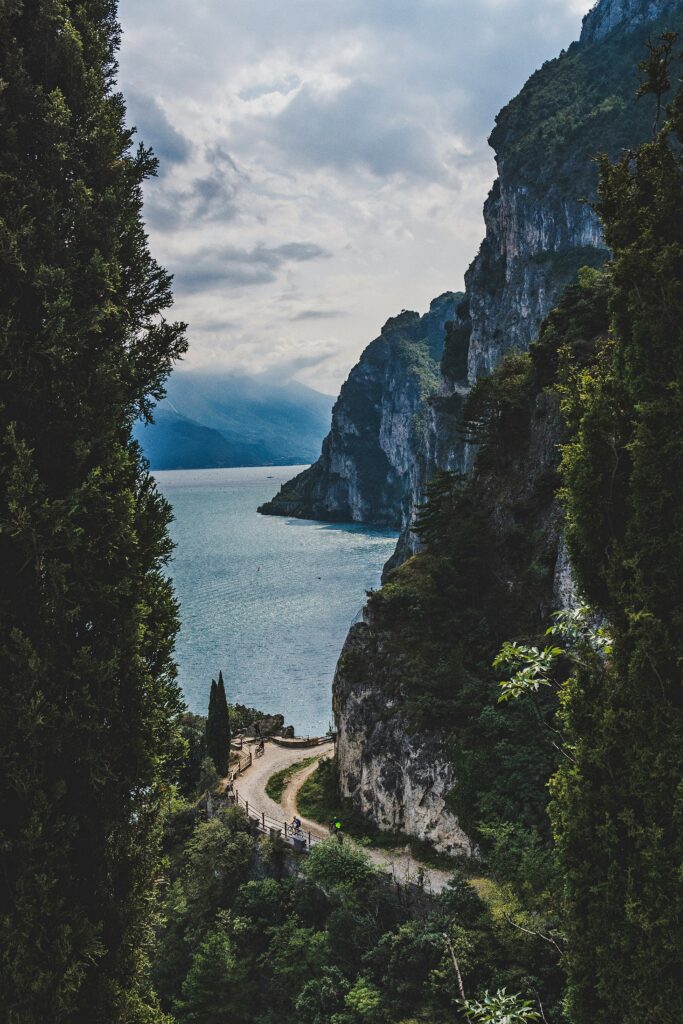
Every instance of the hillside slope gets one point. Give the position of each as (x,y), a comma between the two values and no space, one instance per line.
(224,419)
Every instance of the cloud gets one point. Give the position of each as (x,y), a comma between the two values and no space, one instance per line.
(283,86)
(318,314)
(212,195)
(287,367)
(146,113)
(233,267)
(359,126)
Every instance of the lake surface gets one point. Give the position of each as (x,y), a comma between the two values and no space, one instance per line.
(267,600)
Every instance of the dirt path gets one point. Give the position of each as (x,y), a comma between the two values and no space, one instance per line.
(289,795)
(251,786)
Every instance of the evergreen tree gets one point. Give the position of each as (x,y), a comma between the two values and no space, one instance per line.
(211,744)
(223,715)
(218,727)
(88,718)
(619,801)
(209,988)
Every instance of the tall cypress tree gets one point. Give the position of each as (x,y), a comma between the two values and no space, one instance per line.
(223,727)
(619,803)
(211,745)
(218,727)
(87,614)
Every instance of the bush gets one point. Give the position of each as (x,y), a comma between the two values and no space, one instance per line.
(208,776)
(333,864)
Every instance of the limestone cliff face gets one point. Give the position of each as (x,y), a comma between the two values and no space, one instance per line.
(610,14)
(399,779)
(540,226)
(539,232)
(366,472)
(400,775)
(536,238)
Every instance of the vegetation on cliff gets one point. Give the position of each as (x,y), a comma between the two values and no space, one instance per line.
(605,888)
(487,573)
(618,806)
(364,470)
(580,104)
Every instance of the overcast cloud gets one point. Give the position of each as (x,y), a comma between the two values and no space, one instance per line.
(323,162)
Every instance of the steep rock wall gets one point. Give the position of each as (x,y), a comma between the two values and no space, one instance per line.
(611,14)
(366,472)
(399,772)
(540,226)
(539,232)
(400,780)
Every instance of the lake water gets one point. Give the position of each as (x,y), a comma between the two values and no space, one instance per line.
(267,600)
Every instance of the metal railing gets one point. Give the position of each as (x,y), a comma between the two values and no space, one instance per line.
(274,827)
(244,762)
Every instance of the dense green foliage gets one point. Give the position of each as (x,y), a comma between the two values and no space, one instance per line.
(246,932)
(189,764)
(218,727)
(87,614)
(618,808)
(576,106)
(486,574)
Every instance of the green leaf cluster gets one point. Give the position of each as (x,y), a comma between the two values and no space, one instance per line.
(244,934)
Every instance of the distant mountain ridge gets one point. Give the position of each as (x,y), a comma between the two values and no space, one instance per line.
(215,420)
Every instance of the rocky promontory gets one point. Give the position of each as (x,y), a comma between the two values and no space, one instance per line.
(366,472)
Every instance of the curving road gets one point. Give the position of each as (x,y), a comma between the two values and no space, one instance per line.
(252,787)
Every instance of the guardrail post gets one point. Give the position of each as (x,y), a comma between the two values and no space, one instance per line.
(285,830)
(247,807)
(309,840)
(263,820)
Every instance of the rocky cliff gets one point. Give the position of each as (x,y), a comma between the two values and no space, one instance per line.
(611,14)
(540,226)
(423,747)
(369,462)
(539,232)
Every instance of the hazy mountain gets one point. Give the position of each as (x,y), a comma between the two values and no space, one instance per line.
(214,420)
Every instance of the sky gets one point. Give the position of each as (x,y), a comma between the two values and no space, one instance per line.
(323,163)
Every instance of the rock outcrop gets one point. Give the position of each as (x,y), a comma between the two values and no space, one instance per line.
(539,232)
(611,14)
(400,780)
(540,226)
(400,774)
(367,470)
